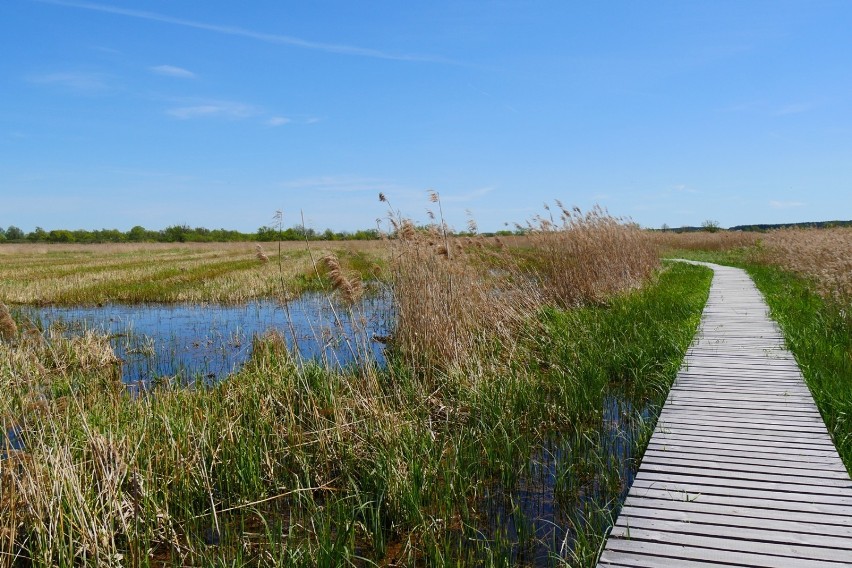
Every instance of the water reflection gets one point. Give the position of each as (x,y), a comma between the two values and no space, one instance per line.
(208,342)
(570,481)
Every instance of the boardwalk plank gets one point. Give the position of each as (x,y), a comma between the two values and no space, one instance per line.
(630,527)
(726,542)
(839,525)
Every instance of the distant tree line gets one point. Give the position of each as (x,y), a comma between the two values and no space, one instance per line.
(804,225)
(177,234)
(713,226)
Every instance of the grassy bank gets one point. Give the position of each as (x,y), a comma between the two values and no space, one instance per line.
(287,464)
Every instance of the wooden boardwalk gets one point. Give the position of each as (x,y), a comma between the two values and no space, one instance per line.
(740,470)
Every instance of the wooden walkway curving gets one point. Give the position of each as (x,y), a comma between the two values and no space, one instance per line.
(740,470)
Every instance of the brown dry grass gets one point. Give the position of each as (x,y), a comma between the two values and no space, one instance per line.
(824,255)
(8,328)
(459,298)
(585,258)
(704,240)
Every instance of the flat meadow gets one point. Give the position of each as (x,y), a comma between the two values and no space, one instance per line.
(501,425)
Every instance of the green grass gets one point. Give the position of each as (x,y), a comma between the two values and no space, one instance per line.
(818,331)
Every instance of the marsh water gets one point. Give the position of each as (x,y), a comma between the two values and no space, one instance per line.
(207,342)
(533,520)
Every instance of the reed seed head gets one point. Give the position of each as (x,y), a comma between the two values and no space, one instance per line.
(8,328)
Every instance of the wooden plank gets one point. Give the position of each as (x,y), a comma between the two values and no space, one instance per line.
(659,459)
(820,545)
(803,424)
(840,525)
(826,461)
(760,501)
(745,429)
(746,413)
(726,541)
(669,430)
(636,549)
(612,559)
(727,484)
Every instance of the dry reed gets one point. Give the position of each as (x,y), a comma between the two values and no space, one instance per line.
(587,257)
(350,288)
(455,297)
(8,328)
(260,255)
(704,240)
(824,255)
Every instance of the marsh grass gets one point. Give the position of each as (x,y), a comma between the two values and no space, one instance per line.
(492,387)
(458,299)
(718,241)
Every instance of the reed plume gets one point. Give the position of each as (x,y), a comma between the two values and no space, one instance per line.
(260,255)
(350,289)
(8,328)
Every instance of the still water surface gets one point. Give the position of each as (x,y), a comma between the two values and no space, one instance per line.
(210,341)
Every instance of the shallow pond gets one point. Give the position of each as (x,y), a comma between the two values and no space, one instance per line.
(535,521)
(210,341)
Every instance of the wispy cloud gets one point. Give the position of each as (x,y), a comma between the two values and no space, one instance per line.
(785,204)
(214,109)
(243,32)
(172,71)
(81,82)
(278,121)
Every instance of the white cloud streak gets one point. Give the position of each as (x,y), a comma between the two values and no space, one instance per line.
(243,32)
(278,121)
(172,71)
(218,109)
(73,80)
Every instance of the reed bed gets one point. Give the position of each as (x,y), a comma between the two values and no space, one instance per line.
(292,463)
(823,255)
(566,249)
(454,296)
(704,240)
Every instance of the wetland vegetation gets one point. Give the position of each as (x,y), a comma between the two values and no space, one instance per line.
(501,426)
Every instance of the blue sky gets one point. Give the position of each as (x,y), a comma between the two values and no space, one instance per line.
(218,113)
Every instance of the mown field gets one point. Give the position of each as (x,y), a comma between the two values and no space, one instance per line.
(165,272)
(522,381)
